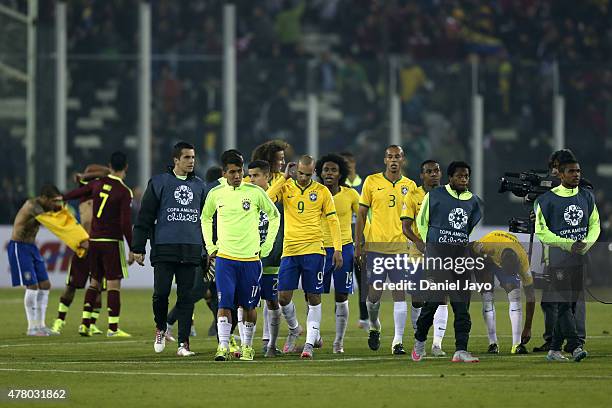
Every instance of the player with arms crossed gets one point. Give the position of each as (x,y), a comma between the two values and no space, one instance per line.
(112,201)
(332,171)
(27,265)
(305,202)
(506,259)
(78,273)
(237,250)
(382,197)
(430,176)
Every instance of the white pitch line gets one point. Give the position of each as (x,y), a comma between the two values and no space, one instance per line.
(291,359)
(351,375)
(74,343)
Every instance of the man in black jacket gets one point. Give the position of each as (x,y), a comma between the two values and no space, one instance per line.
(170,218)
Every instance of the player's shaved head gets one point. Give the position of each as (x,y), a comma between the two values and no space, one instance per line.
(306,160)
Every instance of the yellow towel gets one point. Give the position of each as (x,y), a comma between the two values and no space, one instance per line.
(63,225)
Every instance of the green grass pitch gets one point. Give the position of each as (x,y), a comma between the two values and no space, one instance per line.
(99,371)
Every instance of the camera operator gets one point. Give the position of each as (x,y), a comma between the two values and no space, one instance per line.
(567,222)
(548,306)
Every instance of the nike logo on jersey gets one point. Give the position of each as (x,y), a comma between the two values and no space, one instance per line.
(380,188)
(290,196)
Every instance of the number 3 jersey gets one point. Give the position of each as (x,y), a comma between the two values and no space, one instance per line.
(385,198)
(112,201)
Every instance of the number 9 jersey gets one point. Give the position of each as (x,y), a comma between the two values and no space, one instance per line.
(304,209)
(384,199)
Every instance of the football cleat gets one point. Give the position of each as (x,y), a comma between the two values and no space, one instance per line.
(117,333)
(493,349)
(364,324)
(36,333)
(264,345)
(93,329)
(273,352)
(418,351)
(223,354)
(374,339)
(319,343)
(58,325)
(579,354)
(234,347)
(84,331)
(160,341)
(398,349)
(292,337)
(168,334)
(462,356)
(183,350)
(247,353)
(307,352)
(48,331)
(542,348)
(338,348)
(555,356)
(437,352)
(519,349)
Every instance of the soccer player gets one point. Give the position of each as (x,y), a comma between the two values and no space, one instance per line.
(354,180)
(27,265)
(274,152)
(506,259)
(78,273)
(430,177)
(382,196)
(237,251)
(332,171)
(445,221)
(259,174)
(112,200)
(305,202)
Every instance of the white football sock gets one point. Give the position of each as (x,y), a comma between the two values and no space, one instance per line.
(274,319)
(515,309)
(248,329)
(42,299)
(29,302)
(400,313)
(240,314)
(415,312)
(224,328)
(488,313)
(373,309)
(313,323)
(289,314)
(342,314)
(265,336)
(440,319)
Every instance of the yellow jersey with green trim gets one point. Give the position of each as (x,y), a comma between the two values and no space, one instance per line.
(410,209)
(347,204)
(385,199)
(303,209)
(496,242)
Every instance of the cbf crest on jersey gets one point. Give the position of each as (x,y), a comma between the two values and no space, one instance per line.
(458,218)
(183,195)
(246,204)
(404,190)
(313,196)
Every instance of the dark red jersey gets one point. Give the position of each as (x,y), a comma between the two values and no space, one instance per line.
(112,201)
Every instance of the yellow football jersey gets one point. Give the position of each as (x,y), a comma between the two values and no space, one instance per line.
(498,241)
(347,204)
(410,210)
(385,199)
(303,209)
